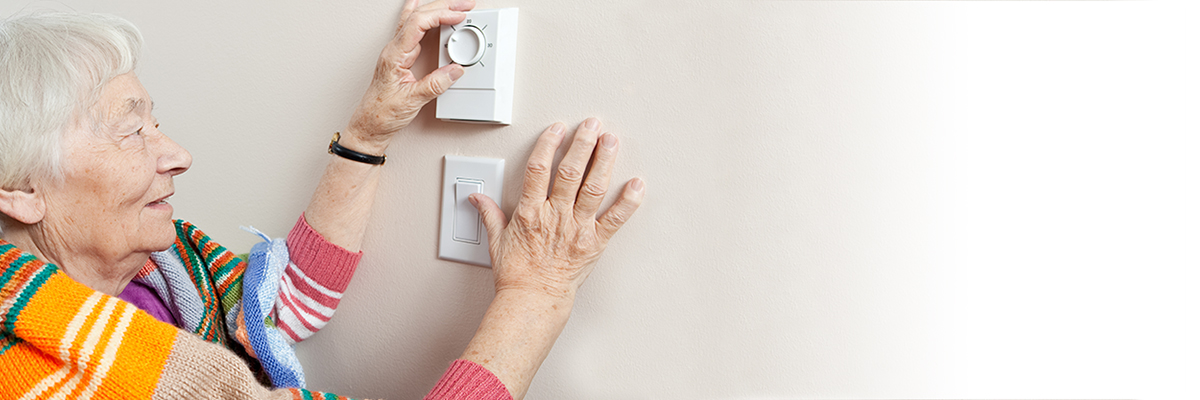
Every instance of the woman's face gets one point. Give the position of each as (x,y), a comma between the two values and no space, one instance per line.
(118,169)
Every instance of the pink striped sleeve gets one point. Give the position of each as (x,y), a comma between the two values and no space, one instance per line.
(324,262)
(313,282)
(468,380)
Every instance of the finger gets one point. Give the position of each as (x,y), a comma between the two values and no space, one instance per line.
(428,17)
(493,217)
(409,42)
(456,5)
(405,12)
(574,163)
(631,198)
(596,185)
(537,169)
(436,83)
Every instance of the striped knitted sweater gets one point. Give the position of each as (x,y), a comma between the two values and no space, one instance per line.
(61,339)
(207,289)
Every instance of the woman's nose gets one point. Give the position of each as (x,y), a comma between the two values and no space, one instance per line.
(173,159)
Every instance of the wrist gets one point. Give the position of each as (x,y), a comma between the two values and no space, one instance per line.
(516,334)
(354,139)
(539,286)
(537,299)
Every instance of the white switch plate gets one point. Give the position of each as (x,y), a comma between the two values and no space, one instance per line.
(484,93)
(462,237)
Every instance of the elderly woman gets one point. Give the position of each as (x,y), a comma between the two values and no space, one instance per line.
(103,294)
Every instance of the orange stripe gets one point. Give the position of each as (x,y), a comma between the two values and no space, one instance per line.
(110,325)
(141,358)
(146,269)
(237,272)
(22,275)
(9,256)
(224,258)
(56,386)
(32,362)
(20,278)
(208,249)
(55,305)
(76,349)
(186,260)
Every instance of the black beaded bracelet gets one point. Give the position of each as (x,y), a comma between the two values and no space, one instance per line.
(336,149)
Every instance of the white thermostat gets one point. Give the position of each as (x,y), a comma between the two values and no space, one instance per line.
(485,44)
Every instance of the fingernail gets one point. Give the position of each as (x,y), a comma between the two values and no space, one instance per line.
(473,200)
(557,128)
(456,72)
(608,140)
(637,185)
(592,123)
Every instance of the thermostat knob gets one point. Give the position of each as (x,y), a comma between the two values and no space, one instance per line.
(466,45)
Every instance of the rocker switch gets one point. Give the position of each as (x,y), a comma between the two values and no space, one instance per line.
(461,236)
(466,218)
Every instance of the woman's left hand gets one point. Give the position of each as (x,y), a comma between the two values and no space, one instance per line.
(396,95)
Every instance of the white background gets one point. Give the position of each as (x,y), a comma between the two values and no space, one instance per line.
(867,200)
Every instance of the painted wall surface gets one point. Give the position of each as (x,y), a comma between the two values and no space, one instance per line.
(867,200)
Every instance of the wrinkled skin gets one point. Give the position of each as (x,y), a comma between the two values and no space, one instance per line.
(396,95)
(552,243)
(109,211)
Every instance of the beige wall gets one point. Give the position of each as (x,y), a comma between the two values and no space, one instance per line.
(882,199)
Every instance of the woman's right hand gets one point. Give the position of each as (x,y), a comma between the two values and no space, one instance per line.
(396,94)
(552,243)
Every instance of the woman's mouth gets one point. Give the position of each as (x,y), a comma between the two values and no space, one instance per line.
(160,201)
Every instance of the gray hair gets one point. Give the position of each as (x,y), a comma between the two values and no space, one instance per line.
(52,67)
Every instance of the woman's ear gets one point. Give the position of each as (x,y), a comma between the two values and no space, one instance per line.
(25,206)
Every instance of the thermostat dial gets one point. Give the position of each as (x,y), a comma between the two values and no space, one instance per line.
(466,46)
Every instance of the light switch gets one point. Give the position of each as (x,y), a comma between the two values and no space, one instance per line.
(462,237)
(485,44)
(466,218)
